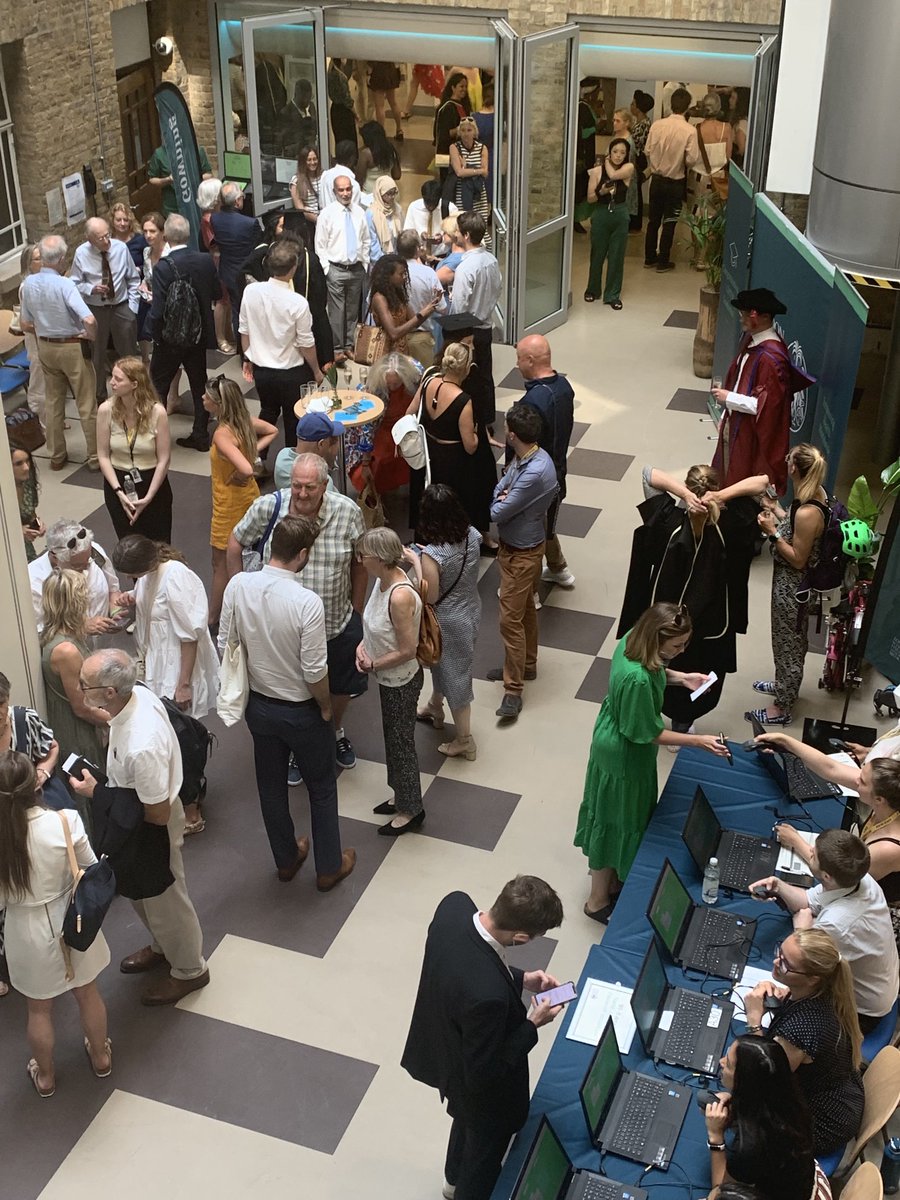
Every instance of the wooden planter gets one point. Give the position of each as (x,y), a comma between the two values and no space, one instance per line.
(705,337)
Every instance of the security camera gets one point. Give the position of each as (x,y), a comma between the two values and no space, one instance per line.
(164,46)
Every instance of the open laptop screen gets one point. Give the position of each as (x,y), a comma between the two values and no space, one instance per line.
(237,166)
(648,994)
(599,1083)
(701,830)
(670,907)
(546,1169)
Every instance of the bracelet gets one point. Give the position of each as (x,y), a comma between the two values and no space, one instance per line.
(120,491)
(420,317)
(754,1028)
(715,1145)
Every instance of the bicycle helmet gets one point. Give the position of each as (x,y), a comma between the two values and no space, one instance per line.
(858,539)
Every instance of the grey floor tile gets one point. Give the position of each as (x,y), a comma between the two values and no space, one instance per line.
(690,400)
(680,318)
(576,520)
(568,629)
(595,684)
(463,812)
(513,380)
(599,464)
(579,429)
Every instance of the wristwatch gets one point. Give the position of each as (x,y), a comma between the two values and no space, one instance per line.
(715,1145)
(774,537)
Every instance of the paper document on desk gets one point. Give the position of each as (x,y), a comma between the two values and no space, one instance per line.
(748,981)
(848,761)
(599,1001)
(790,862)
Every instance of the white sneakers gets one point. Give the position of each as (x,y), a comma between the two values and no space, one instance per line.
(563,578)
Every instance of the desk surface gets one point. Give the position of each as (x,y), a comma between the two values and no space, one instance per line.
(745,798)
(372,407)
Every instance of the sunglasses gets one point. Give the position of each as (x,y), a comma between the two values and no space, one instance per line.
(216,383)
(79,537)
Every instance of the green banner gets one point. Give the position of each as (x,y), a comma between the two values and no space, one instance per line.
(180,142)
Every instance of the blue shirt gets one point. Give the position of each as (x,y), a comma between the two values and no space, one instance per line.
(52,303)
(87,272)
(531,487)
(554,399)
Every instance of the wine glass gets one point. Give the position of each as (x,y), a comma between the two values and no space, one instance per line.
(348,372)
(364,376)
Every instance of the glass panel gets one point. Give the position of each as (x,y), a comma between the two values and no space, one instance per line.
(285,74)
(546,86)
(544,276)
(501,252)
(502,104)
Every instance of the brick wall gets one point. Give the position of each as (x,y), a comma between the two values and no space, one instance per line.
(186,22)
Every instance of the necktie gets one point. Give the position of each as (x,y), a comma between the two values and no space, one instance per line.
(350,237)
(107,278)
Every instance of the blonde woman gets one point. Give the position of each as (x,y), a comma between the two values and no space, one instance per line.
(133,449)
(620,787)
(818,1029)
(384,217)
(469,163)
(236,444)
(795,537)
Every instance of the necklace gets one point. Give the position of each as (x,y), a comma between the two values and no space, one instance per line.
(880,825)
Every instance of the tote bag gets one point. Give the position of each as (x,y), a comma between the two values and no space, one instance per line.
(234,682)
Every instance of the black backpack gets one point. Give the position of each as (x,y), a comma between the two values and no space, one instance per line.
(196,743)
(828,573)
(182,321)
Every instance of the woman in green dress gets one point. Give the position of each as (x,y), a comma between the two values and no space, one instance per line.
(620,788)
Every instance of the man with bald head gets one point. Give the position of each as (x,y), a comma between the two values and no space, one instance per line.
(144,757)
(104,272)
(551,394)
(342,244)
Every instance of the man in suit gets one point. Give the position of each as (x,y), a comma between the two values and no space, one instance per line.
(471,1034)
(236,236)
(166,358)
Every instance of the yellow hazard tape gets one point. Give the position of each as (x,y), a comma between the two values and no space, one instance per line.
(873,281)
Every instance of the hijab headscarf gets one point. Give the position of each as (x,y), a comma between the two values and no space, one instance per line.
(387,215)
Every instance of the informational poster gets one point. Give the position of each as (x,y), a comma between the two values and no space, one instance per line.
(735,266)
(73,192)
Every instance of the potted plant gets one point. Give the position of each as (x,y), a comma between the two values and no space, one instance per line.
(706,221)
(862,506)
(331,374)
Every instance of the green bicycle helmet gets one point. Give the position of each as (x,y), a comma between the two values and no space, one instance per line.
(858,539)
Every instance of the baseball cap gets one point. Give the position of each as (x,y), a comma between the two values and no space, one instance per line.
(314,426)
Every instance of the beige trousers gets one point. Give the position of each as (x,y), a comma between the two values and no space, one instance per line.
(64,368)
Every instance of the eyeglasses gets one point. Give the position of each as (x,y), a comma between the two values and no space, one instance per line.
(79,537)
(90,687)
(779,957)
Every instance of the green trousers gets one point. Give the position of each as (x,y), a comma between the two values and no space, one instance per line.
(609,240)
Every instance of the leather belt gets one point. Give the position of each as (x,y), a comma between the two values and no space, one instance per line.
(74,338)
(347,266)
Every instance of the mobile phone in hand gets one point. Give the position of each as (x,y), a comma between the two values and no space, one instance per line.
(558,995)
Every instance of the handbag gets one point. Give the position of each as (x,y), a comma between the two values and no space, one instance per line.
(370,344)
(409,438)
(92,893)
(234,682)
(55,793)
(252,556)
(370,504)
(719,181)
(23,428)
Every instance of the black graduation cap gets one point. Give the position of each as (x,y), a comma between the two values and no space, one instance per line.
(761,299)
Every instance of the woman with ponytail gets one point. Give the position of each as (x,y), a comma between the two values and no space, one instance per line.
(818,1029)
(35,886)
(695,548)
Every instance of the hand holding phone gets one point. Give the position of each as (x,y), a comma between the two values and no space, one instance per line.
(559,995)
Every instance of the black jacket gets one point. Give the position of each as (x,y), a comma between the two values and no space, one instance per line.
(138,852)
(235,235)
(197,266)
(470,1034)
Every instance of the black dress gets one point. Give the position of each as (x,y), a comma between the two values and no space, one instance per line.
(832,1087)
(472,476)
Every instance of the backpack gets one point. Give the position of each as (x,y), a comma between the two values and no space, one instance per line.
(828,573)
(195,743)
(182,322)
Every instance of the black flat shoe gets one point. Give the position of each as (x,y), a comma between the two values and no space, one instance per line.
(602,914)
(589,297)
(616,304)
(390,830)
(388,809)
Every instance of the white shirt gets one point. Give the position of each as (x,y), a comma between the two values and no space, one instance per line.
(326,185)
(423,286)
(331,241)
(87,272)
(737,401)
(278,323)
(426,224)
(143,749)
(281,625)
(477,285)
(496,946)
(859,921)
(101,580)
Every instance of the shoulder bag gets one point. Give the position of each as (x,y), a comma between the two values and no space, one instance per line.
(56,794)
(430,645)
(252,556)
(409,438)
(93,890)
(718,180)
(371,342)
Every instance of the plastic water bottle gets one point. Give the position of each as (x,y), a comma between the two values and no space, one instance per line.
(711,882)
(129,489)
(890,1167)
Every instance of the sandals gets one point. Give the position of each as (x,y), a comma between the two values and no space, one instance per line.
(107,1048)
(194,826)
(429,717)
(765,686)
(616,305)
(4,988)
(589,297)
(762,715)
(33,1071)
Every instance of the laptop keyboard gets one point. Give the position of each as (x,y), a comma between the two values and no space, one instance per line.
(742,859)
(803,786)
(691,1012)
(716,928)
(597,1188)
(643,1102)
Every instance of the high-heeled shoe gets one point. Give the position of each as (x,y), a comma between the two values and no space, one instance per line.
(226,347)
(387,809)
(430,717)
(390,830)
(460,748)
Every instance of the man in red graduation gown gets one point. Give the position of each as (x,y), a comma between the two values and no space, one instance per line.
(755,430)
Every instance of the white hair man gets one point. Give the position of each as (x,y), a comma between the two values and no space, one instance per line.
(104,272)
(343,244)
(71,544)
(144,756)
(55,312)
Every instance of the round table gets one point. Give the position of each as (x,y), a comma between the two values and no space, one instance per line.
(357,408)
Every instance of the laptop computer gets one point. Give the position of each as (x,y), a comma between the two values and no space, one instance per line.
(794,778)
(697,936)
(743,857)
(632,1115)
(237,166)
(684,1028)
(549,1174)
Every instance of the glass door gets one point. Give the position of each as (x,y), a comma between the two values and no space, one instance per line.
(504,62)
(542,178)
(762,109)
(286,96)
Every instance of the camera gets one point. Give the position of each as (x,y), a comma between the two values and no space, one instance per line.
(164,46)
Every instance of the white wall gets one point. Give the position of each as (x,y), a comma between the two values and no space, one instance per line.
(130,37)
(20,654)
(796,118)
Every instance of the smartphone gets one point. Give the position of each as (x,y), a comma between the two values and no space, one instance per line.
(35,522)
(121,617)
(558,995)
(75,765)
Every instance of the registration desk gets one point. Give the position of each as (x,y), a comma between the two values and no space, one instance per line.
(745,798)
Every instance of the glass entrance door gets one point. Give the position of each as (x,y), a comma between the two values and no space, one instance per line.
(762,109)
(545,87)
(287,98)
(504,65)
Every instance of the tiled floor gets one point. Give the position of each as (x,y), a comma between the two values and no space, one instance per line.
(282,1077)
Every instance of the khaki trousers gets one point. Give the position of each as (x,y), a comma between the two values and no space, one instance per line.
(171,918)
(421,346)
(64,368)
(520,571)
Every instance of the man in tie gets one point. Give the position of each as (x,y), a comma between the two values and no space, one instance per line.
(104,272)
(342,244)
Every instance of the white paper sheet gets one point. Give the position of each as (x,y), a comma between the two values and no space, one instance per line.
(597,1003)
(789,861)
(748,981)
(704,687)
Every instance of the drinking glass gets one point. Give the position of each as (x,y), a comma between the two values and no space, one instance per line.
(364,376)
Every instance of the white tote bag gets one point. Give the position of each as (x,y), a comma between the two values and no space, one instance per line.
(234,683)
